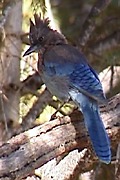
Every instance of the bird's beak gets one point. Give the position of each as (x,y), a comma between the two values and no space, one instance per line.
(31,49)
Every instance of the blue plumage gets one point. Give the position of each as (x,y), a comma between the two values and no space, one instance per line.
(67,74)
(94,124)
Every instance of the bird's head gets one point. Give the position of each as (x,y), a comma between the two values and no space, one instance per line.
(42,36)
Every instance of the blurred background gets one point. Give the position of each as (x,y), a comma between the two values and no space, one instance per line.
(92,26)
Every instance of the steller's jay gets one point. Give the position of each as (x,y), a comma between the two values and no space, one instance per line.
(66,73)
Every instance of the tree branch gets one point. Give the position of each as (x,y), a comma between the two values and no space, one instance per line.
(31,84)
(113,40)
(36,109)
(21,155)
(90,23)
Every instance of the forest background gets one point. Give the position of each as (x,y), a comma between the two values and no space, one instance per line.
(32,146)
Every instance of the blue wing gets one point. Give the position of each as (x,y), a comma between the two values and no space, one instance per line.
(66,61)
(85,80)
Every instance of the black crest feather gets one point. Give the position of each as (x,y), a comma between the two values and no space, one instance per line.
(41,22)
(40,25)
(40,29)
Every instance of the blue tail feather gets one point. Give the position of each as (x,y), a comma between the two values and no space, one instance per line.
(94,124)
(97,131)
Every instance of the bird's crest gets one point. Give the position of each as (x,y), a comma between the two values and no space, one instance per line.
(37,28)
(39,22)
(41,33)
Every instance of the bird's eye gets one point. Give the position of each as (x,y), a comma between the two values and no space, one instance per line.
(41,38)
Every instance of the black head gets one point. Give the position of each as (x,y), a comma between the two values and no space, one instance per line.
(41,35)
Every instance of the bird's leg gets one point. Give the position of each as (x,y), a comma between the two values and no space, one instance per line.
(57,110)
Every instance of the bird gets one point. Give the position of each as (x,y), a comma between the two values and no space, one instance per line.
(67,74)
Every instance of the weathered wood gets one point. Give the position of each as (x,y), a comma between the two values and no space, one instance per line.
(22,154)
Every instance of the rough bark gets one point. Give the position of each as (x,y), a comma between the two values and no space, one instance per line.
(73,164)
(22,154)
(9,62)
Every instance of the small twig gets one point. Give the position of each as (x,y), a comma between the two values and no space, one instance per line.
(57,110)
(3,111)
(31,84)
(36,109)
(24,38)
(112,77)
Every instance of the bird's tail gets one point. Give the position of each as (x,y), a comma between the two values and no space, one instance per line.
(94,124)
(96,129)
